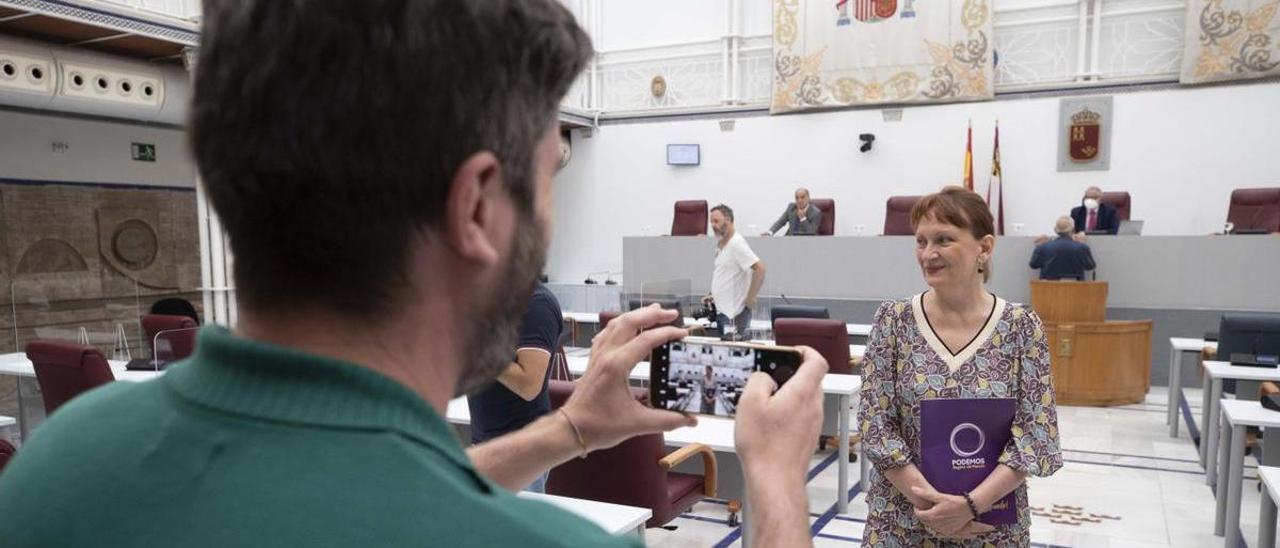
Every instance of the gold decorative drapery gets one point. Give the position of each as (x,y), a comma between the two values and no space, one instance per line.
(839,53)
(1231,40)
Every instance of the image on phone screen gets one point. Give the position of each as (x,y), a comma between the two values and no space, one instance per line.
(708,378)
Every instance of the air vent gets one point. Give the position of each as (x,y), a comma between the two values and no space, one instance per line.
(25,73)
(108,84)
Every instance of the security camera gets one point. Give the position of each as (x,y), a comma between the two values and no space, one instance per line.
(867,139)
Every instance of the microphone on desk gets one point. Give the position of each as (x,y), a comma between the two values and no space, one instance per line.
(592,281)
(609,279)
(784,298)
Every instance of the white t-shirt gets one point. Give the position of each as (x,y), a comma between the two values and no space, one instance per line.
(732,276)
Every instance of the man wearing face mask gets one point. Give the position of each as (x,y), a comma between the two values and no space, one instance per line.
(1093,216)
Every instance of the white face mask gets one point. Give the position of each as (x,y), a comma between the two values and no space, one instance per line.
(1090,203)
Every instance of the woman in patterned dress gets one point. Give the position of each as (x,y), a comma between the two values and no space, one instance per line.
(955,340)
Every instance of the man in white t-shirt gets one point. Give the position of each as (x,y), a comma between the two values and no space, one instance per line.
(738,274)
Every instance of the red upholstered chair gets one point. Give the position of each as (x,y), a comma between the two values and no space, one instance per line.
(897,215)
(827,206)
(65,369)
(1120,200)
(1255,209)
(636,472)
(829,337)
(153,324)
(690,218)
(6,453)
(608,316)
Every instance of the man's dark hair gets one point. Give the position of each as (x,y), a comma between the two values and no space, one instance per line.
(328,132)
(724,210)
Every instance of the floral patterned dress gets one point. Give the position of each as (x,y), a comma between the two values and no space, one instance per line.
(906,363)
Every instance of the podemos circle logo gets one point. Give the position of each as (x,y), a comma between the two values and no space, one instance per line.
(955,447)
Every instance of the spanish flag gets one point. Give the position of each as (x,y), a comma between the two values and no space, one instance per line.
(968,159)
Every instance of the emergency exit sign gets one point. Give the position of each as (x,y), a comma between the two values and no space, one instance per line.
(144,152)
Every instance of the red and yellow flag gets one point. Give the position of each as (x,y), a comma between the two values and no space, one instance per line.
(968,159)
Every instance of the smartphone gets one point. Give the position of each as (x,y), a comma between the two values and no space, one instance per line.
(707,377)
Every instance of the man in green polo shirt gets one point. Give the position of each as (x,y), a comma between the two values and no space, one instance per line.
(383,169)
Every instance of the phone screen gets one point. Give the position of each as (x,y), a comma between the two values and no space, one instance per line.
(708,377)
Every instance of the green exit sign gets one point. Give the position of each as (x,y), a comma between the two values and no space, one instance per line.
(144,152)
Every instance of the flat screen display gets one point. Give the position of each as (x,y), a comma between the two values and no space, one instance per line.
(684,155)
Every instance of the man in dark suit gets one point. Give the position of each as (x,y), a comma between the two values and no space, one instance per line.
(1062,258)
(1094,216)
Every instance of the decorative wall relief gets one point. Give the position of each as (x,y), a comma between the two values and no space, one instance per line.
(50,255)
(834,53)
(129,240)
(1231,40)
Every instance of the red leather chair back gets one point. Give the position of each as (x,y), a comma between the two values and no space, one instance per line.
(65,369)
(827,206)
(155,323)
(608,316)
(1119,200)
(173,345)
(829,337)
(1255,208)
(6,453)
(690,218)
(625,474)
(897,215)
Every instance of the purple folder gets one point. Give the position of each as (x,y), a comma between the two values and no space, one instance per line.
(960,444)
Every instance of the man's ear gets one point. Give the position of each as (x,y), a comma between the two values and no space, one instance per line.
(469,210)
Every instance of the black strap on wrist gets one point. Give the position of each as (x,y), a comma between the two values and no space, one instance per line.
(973,508)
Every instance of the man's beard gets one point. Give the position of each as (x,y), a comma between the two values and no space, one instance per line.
(719,232)
(495,324)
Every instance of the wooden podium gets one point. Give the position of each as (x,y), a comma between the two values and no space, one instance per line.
(1094,362)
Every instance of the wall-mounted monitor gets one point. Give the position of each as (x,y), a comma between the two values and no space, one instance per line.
(683,155)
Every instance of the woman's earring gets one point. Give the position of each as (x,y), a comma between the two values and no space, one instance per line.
(981,269)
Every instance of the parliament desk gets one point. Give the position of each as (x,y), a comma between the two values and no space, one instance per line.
(1183,283)
(1236,415)
(1210,415)
(717,432)
(1178,346)
(1270,476)
(855,329)
(17,365)
(844,387)
(617,519)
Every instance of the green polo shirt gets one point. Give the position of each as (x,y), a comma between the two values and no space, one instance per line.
(247,444)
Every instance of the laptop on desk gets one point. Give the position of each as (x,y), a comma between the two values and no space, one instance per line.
(145,364)
(1129,228)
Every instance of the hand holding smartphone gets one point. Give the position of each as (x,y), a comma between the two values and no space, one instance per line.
(708,377)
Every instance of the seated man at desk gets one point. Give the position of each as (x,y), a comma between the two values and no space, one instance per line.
(1062,258)
(1094,216)
(801,217)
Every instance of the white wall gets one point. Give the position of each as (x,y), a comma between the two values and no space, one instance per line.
(97,152)
(1178,152)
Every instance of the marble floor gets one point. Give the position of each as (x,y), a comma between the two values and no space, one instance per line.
(1120,462)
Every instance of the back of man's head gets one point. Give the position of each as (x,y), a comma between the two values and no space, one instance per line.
(327,132)
(1064,226)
